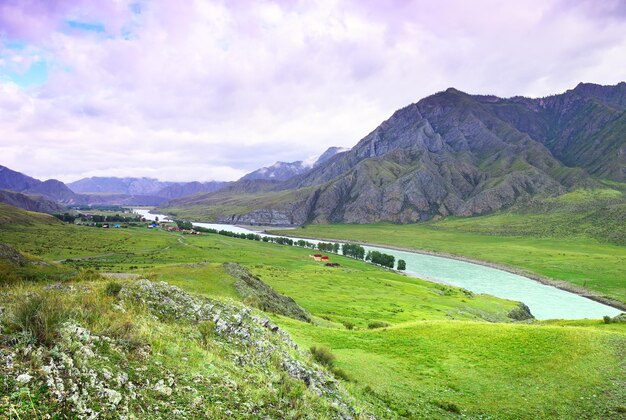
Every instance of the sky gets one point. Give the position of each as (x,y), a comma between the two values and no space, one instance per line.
(210,90)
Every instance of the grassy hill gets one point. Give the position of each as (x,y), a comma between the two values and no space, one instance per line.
(190,347)
(13,215)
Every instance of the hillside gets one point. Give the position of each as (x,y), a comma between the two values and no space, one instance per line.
(29,202)
(450,154)
(12,215)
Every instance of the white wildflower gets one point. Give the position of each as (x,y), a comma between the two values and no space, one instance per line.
(24,378)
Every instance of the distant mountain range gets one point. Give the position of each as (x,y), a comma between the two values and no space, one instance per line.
(52,195)
(142,186)
(451,153)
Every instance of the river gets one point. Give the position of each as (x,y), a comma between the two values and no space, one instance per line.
(544,301)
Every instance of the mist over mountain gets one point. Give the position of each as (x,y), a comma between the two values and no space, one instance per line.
(282,171)
(451,153)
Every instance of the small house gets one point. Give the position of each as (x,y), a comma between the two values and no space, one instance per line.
(324,258)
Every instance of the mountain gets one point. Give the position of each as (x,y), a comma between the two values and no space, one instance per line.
(449,154)
(51,189)
(282,171)
(113,185)
(160,191)
(46,195)
(29,202)
(15,181)
(55,190)
(181,189)
(584,127)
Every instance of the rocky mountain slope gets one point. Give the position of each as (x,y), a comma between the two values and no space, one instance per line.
(182,189)
(29,202)
(450,154)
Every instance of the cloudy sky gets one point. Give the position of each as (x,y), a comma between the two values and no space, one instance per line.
(201,90)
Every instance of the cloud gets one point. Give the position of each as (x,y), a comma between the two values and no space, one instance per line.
(217,88)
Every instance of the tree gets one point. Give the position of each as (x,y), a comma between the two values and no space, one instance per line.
(353,250)
(385,260)
(182,224)
(401,265)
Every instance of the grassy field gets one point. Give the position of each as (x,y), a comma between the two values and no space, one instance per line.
(444,353)
(479,369)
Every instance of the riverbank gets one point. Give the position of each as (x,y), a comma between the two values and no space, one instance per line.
(559,284)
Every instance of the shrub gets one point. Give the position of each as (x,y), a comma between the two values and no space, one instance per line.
(41,317)
(113,289)
(207,331)
(607,319)
(323,356)
(341,374)
(377,324)
(448,406)
(401,265)
(87,275)
(349,325)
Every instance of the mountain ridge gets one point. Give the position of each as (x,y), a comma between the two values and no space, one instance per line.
(451,153)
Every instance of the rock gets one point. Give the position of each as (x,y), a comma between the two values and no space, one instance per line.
(521,313)
(163,389)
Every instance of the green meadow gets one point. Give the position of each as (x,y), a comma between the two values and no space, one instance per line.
(511,240)
(436,351)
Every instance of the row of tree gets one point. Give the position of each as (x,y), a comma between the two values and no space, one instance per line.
(328,247)
(97,218)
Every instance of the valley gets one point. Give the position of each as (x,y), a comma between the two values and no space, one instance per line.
(346,210)
(435,350)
